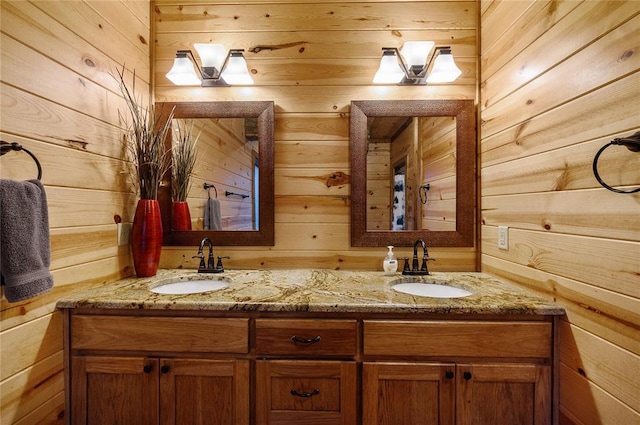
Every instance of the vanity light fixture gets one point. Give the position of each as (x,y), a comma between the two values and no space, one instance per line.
(219,68)
(412,64)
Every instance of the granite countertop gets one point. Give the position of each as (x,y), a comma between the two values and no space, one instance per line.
(315,290)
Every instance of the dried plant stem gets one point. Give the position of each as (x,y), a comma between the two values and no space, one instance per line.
(145,135)
(184,155)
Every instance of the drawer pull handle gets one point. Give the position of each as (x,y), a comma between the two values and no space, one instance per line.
(164,369)
(449,374)
(305,341)
(147,368)
(467,376)
(305,395)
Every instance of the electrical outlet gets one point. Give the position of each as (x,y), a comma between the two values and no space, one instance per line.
(124,233)
(503,237)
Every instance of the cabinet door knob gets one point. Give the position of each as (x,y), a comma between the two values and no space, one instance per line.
(305,341)
(449,374)
(164,369)
(305,395)
(467,375)
(147,368)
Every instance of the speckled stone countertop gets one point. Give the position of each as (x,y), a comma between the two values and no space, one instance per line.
(315,290)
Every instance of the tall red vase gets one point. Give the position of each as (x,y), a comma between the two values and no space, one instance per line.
(146,238)
(181,218)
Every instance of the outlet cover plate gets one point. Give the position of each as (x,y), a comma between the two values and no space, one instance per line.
(124,233)
(503,237)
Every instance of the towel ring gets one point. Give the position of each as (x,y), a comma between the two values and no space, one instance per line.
(6,147)
(633,144)
(208,186)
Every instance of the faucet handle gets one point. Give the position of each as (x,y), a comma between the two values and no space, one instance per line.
(219,265)
(405,268)
(201,257)
(424,263)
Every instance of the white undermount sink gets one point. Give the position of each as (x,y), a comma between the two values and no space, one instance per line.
(191,286)
(432,290)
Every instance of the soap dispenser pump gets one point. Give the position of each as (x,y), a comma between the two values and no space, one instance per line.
(390,264)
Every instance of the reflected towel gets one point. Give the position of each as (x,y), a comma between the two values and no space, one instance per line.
(212,218)
(398,222)
(25,251)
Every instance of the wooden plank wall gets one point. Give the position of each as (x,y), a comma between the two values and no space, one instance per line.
(225,159)
(312,58)
(379,184)
(60,102)
(559,79)
(438,146)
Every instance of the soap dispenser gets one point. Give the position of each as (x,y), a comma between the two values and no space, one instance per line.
(390,264)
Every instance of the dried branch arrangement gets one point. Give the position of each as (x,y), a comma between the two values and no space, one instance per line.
(145,132)
(183,157)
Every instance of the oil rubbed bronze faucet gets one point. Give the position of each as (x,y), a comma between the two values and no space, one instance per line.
(415,271)
(209,267)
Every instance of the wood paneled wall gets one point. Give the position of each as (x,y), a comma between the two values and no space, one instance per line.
(60,102)
(438,154)
(379,184)
(559,79)
(225,159)
(312,58)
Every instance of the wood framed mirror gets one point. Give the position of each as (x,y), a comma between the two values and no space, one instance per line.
(435,137)
(245,184)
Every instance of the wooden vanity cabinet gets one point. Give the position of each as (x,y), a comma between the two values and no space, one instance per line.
(499,372)
(164,382)
(261,369)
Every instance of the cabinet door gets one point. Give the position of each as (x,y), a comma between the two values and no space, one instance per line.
(518,394)
(408,394)
(204,392)
(114,390)
(310,392)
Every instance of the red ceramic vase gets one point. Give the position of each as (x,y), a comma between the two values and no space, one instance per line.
(181,218)
(146,238)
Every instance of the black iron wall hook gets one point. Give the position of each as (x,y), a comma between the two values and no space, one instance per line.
(6,147)
(633,144)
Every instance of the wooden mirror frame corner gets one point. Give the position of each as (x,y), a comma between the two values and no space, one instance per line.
(466,172)
(264,235)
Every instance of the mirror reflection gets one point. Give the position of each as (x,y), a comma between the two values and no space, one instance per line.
(411,173)
(230,198)
(225,177)
(418,156)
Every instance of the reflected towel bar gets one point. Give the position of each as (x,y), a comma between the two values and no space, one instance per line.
(227,193)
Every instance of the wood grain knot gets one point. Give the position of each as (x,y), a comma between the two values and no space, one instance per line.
(338,178)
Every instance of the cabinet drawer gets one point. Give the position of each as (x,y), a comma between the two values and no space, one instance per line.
(176,334)
(458,339)
(298,391)
(306,337)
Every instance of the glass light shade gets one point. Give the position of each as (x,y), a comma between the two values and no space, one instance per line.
(415,53)
(444,69)
(182,73)
(236,71)
(389,71)
(211,55)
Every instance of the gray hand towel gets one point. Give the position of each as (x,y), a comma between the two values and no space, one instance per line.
(25,251)
(212,218)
